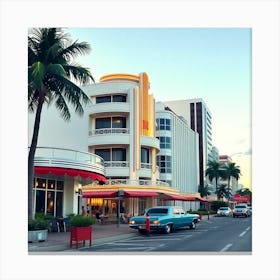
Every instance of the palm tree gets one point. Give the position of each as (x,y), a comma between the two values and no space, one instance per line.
(214,171)
(51,77)
(223,191)
(204,190)
(230,170)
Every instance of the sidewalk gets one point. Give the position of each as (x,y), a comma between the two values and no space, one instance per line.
(60,241)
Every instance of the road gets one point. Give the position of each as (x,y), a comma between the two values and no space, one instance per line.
(218,234)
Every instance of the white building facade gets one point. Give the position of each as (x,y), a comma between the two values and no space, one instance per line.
(178,156)
(122,131)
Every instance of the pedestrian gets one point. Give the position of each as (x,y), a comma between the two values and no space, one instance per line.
(84,213)
(148,226)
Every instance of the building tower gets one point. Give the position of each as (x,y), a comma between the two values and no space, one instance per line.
(199,118)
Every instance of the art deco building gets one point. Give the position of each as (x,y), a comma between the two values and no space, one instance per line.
(122,131)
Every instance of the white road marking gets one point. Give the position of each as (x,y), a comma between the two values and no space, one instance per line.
(244,232)
(226,247)
(142,241)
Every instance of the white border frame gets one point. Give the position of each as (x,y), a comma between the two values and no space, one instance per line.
(262,16)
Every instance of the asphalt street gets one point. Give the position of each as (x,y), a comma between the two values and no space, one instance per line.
(219,235)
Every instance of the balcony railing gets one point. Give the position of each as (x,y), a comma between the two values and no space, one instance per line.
(116,164)
(146,165)
(108,131)
(67,158)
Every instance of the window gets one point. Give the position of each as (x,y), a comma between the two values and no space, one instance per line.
(111,98)
(103,99)
(114,122)
(164,163)
(165,142)
(119,98)
(141,205)
(118,154)
(104,153)
(48,196)
(163,124)
(115,154)
(145,155)
(119,122)
(162,211)
(103,123)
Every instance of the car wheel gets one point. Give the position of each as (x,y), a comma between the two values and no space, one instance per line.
(167,229)
(193,225)
(141,231)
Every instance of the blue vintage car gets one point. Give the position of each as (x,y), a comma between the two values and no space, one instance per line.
(164,218)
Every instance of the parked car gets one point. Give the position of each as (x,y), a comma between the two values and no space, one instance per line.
(164,218)
(241,210)
(224,211)
(250,210)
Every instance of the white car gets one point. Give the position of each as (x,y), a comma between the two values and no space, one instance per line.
(224,211)
(241,210)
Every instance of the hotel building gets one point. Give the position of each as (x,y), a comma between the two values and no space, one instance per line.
(199,118)
(122,130)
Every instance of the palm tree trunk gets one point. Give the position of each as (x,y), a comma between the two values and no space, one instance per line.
(228,187)
(217,187)
(31,156)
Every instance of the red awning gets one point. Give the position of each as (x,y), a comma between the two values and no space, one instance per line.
(202,199)
(239,200)
(139,194)
(178,197)
(43,170)
(99,194)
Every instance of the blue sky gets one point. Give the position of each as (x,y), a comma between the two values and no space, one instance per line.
(209,63)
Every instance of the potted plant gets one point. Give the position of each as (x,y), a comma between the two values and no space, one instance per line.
(81,228)
(38,230)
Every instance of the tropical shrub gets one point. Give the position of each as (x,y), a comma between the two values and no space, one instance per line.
(81,221)
(38,224)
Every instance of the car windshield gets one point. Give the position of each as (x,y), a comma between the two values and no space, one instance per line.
(240,206)
(223,208)
(157,211)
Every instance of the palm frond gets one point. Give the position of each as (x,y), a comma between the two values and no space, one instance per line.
(63,108)
(79,73)
(72,93)
(74,50)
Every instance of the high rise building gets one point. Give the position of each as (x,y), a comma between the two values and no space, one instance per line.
(199,118)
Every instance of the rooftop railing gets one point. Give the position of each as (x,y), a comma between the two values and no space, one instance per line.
(68,154)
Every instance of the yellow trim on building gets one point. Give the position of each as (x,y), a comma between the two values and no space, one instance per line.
(130,188)
(119,76)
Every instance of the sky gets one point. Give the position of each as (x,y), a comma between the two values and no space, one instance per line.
(209,63)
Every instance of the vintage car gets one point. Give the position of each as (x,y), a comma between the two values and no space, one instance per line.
(164,218)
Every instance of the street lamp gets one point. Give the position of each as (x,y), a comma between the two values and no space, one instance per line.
(79,193)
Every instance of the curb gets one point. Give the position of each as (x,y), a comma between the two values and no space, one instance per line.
(65,246)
